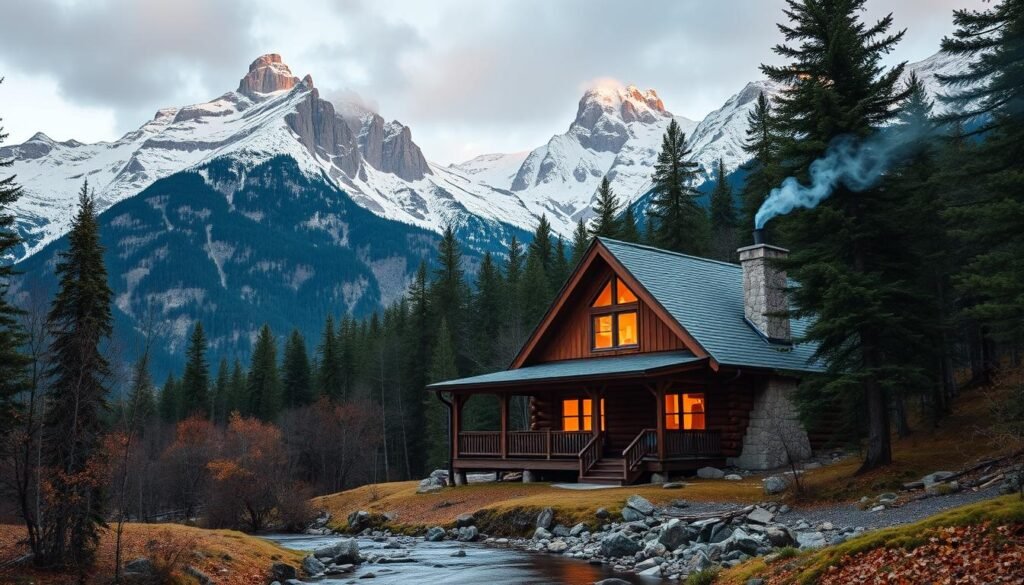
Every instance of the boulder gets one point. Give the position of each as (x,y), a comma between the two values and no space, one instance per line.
(464,520)
(650,572)
(941,489)
(430,485)
(733,477)
(560,530)
(435,534)
(936,477)
(578,529)
(602,514)
(458,553)
(346,550)
(700,562)
(312,566)
(141,566)
(545,518)
(632,515)
(557,546)
(774,484)
(779,536)
(541,533)
(640,504)
(719,533)
(283,571)
(440,474)
(743,542)
(358,520)
(673,534)
(468,534)
(618,544)
(810,539)
(710,473)
(760,516)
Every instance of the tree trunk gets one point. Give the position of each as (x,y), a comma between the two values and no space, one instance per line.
(879,448)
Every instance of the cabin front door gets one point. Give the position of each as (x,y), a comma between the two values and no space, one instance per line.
(627,412)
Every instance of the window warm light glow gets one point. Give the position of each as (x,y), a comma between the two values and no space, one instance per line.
(685,411)
(578,414)
(605,298)
(614,326)
(602,332)
(624,295)
(627,328)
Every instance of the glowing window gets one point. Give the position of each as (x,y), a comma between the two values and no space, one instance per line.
(577,414)
(605,298)
(626,327)
(603,332)
(623,295)
(685,411)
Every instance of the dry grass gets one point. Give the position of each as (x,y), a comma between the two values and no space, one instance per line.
(410,511)
(809,566)
(226,556)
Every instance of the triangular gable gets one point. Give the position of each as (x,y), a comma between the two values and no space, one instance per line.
(596,254)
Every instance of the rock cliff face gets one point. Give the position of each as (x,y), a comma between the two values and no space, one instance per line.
(267,74)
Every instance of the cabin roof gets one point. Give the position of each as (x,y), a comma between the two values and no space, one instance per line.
(604,367)
(705,297)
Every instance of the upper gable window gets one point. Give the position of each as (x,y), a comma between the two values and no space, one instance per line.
(614,319)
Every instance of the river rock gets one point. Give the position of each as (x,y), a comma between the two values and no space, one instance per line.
(435,534)
(283,571)
(700,562)
(578,529)
(774,484)
(640,504)
(618,544)
(632,515)
(810,539)
(710,473)
(358,520)
(760,516)
(312,566)
(733,477)
(468,534)
(545,518)
(557,546)
(673,534)
(612,581)
(430,485)
(541,533)
(779,536)
(458,553)
(941,489)
(346,550)
(602,514)
(936,477)
(464,520)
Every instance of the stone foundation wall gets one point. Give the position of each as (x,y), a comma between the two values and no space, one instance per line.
(774,428)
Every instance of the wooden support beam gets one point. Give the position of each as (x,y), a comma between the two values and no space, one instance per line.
(659,395)
(457,400)
(504,398)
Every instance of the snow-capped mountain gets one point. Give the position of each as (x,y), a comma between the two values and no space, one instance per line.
(271,113)
(618,131)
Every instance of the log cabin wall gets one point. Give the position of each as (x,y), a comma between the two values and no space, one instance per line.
(728,406)
(569,336)
(628,410)
(544,413)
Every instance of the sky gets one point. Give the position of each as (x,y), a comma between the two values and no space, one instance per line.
(469,77)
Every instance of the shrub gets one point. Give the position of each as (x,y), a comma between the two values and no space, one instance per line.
(705,577)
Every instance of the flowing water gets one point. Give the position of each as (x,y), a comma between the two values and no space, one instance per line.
(482,565)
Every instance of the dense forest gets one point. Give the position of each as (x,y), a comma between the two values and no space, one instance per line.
(914,281)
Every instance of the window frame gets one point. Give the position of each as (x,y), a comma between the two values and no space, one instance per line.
(681,413)
(613,310)
(583,419)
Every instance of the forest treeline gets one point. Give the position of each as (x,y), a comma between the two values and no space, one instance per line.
(909,280)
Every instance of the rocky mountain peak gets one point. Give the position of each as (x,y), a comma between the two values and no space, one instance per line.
(267,74)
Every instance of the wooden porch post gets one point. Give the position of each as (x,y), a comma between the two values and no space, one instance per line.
(456,422)
(595,411)
(504,424)
(659,395)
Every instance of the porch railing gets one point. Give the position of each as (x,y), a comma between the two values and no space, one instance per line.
(693,443)
(591,453)
(545,443)
(645,443)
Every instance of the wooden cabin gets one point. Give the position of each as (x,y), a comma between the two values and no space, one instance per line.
(648,363)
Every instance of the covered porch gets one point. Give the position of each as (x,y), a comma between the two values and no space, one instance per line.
(612,420)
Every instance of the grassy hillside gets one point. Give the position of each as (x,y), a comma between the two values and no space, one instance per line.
(229,557)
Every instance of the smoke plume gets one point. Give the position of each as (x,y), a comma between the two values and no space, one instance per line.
(854,164)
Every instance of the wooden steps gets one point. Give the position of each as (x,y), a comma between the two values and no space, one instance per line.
(607,471)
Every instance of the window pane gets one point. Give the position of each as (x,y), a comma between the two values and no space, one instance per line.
(672,411)
(693,405)
(603,332)
(602,414)
(624,295)
(588,407)
(570,407)
(588,423)
(605,298)
(627,328)
(570,423)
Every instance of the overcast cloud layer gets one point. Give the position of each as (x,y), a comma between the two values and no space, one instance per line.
(468,76)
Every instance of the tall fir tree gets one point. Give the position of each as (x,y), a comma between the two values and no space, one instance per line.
(264,386)
(580,243)
(486,315)
(442,367)
(762,146)
(541,249)
(13,363)
(142,407)
(297,382)
(629,232)
(79,321)
(238,390)
(195,381)
(990,95)
(329,357)
(449,291)
(220,400)
(723,217)
(560,267)
(848,253)
(606,212)
(170,404)
(678,222)
(418,342)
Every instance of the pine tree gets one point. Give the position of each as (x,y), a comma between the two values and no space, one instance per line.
(723,218)
(448,291)
(238,390)
(442,367)
(220,402)
(79,321)
(560,268)
(580,243)
(848,254)
(142,407)
(762,145)
(329,378)
(540,248)
(195,382)
(487,315)
(606,211)
(990,93)
(13,364)
(297,377)
(679,223)
(264,388)
(629,232)
(170,403)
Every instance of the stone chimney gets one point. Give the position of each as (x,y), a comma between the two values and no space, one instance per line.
(764,295)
